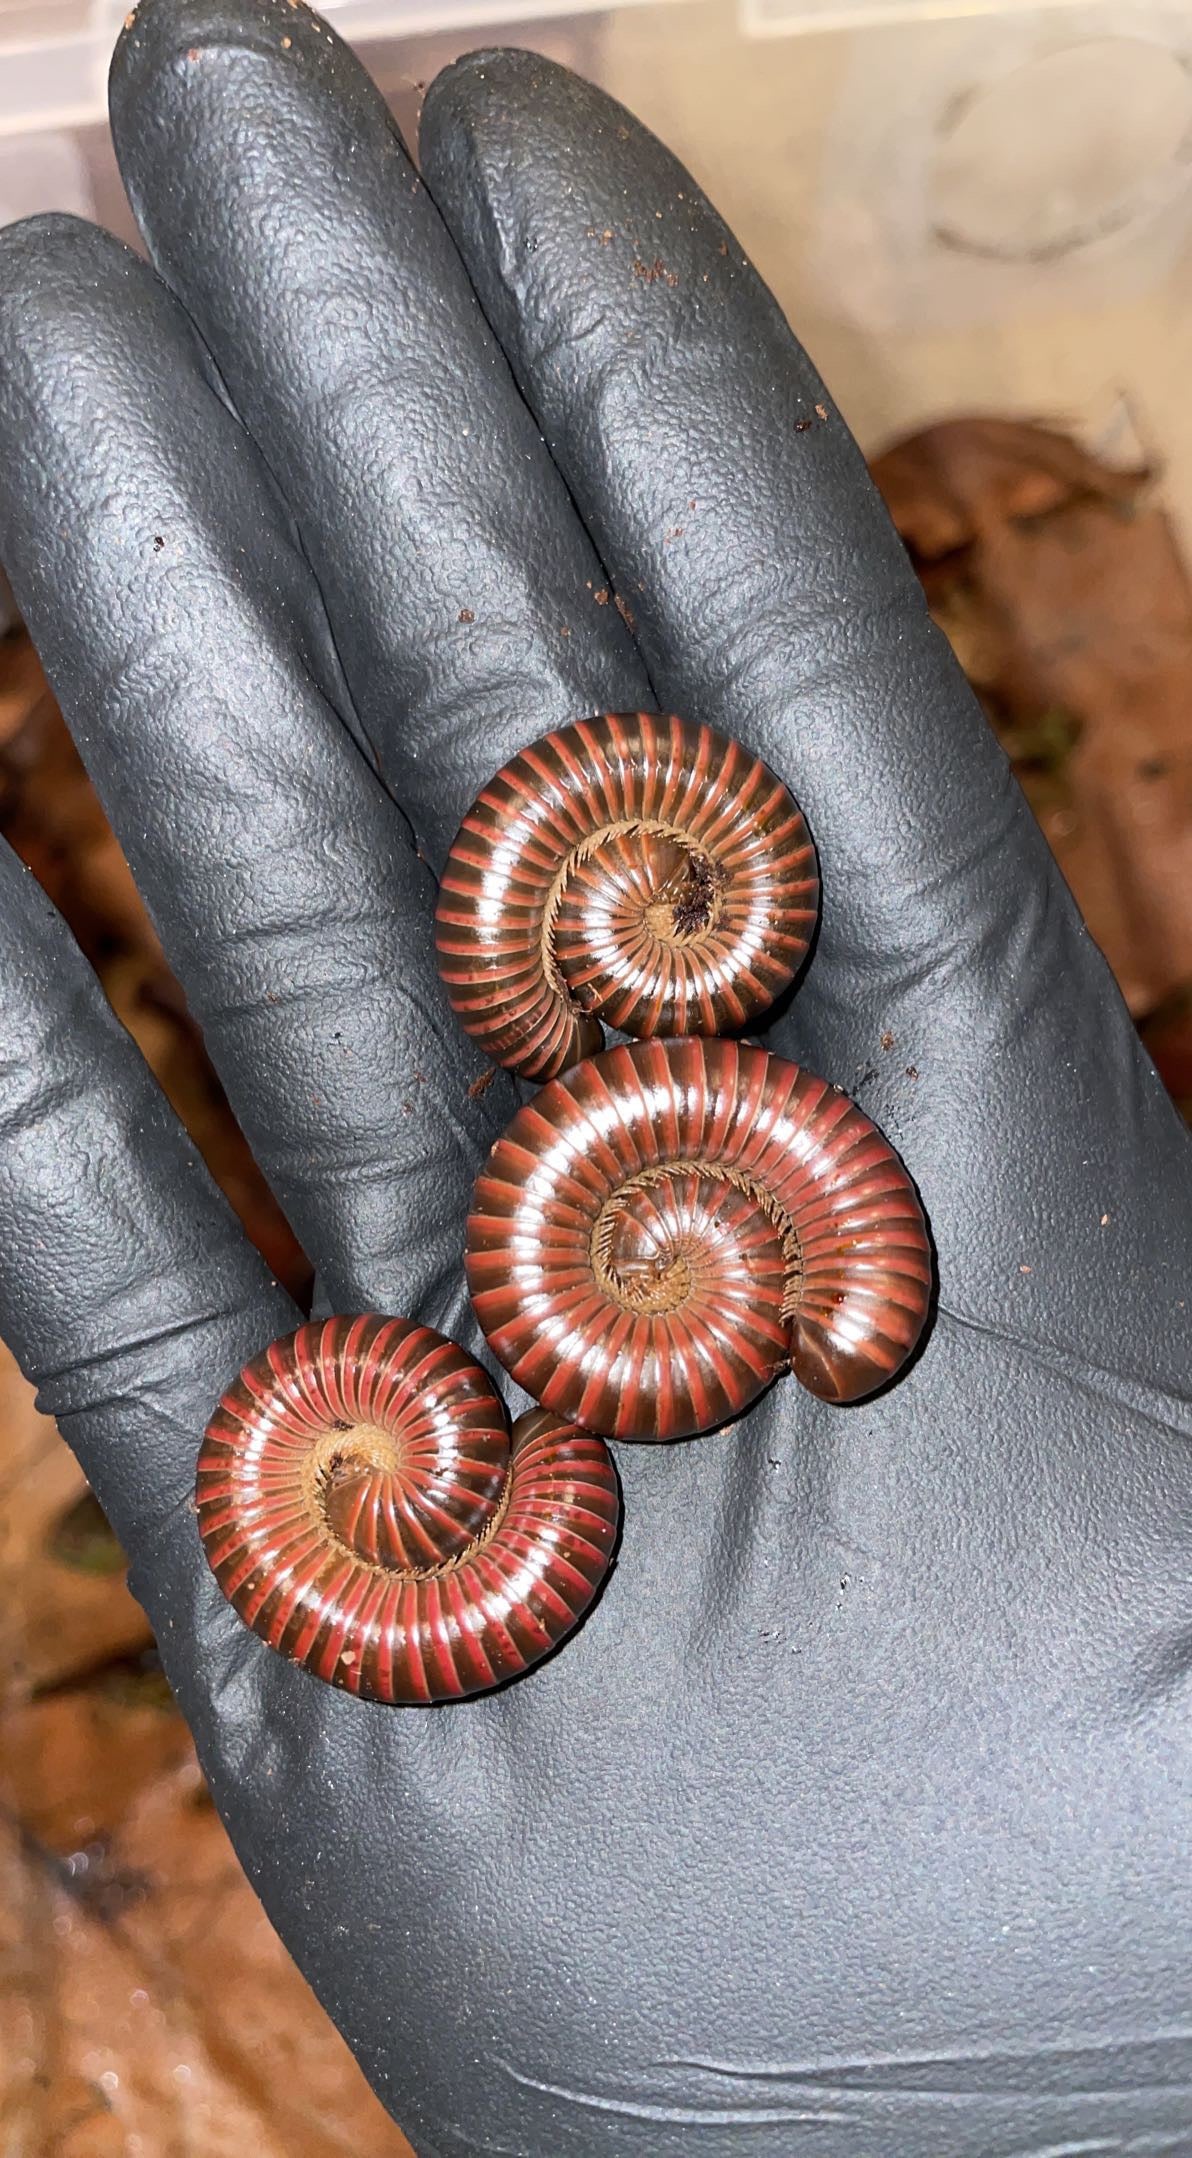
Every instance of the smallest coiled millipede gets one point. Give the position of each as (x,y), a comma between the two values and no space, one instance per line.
(367,1512)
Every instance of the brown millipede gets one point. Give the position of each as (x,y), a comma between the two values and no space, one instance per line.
(661,1232)
(365,1509)
(641,870)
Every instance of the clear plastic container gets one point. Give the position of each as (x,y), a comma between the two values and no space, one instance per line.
(961,208)
(54,54)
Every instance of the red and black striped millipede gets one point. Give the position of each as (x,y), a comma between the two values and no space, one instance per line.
(641,870)
(663,1231)
(365,1508)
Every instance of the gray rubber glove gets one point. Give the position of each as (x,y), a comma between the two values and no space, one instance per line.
(854,1819)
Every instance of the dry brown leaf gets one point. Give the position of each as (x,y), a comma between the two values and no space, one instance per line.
(1167,1032)
(56,1619)
(148,2006)
(1061,588)
(151,2007)
(24,697)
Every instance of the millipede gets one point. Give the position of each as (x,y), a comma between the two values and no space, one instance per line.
(639,871)
(366,1510)
(666,1229)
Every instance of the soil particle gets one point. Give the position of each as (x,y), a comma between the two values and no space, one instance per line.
(651,273)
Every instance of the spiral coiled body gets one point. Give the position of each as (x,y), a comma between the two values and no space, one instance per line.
(641,870)
(660,1233)
(364,1508)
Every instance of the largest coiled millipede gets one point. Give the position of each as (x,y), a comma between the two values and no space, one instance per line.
(666,1229)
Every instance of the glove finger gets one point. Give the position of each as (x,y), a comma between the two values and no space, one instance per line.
(128,1292)
(195,668)
(769,591)
(953,987)
(468,605)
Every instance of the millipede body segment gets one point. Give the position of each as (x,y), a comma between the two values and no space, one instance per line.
(364,1508)
(639,870)
(663,1231)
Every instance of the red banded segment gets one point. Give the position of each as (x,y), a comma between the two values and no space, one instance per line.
(638,869)
(363,1507)
(660,1233)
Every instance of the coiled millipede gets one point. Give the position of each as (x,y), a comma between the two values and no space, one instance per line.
(661,1232)
(645,871)
(366,1511)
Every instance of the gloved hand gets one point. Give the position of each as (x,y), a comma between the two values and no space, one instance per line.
(854,1818)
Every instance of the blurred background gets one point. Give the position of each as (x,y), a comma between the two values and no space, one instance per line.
(980,223)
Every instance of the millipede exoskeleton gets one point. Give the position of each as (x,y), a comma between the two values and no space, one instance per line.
(662,1231)
(365,1509)
(639,870)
